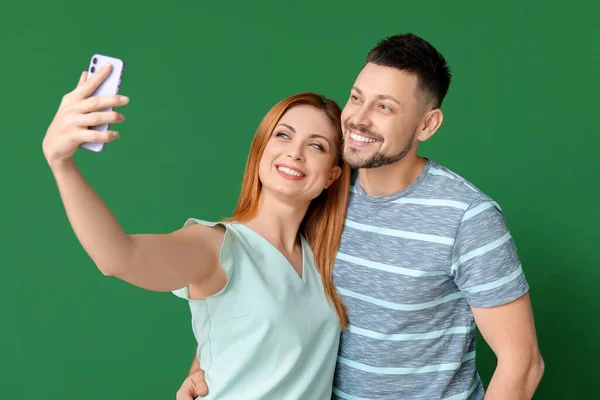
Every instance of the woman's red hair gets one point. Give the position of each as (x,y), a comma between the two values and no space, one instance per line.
(324,221)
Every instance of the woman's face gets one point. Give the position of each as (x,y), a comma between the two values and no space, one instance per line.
(299,160)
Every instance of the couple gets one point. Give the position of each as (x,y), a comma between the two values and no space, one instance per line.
(351,267)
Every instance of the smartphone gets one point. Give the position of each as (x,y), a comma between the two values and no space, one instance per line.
(109,87)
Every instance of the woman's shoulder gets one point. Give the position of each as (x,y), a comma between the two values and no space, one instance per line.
(222,240)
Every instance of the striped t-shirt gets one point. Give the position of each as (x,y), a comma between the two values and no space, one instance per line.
(409,267)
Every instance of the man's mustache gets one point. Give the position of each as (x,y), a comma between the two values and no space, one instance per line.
(363,131)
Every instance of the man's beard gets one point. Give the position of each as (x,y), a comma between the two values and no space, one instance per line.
(378,159)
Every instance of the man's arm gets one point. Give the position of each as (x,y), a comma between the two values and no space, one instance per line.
(487,270)
(510,332)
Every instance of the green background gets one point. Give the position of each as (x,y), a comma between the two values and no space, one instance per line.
(520,123)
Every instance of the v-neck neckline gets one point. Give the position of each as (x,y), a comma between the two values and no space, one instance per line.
(301,276)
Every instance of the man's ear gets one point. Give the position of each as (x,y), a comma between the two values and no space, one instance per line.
(430,124)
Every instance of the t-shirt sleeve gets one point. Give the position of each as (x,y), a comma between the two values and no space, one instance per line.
(485,263)
(226,256)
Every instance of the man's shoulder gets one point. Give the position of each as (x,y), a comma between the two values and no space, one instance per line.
(445,184)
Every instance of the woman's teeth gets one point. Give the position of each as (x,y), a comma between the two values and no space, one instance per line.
(289,171)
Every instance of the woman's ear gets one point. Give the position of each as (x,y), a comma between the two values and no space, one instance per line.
(333,175)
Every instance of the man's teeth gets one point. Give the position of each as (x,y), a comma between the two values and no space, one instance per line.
(359,138)
(289,171)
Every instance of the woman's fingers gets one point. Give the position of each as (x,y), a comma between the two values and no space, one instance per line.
(98,118)
(77,113)
(82,78)
(96,103)
(90,135)
(86,88)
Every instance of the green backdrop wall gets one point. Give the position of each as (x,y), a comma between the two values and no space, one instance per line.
(520,122)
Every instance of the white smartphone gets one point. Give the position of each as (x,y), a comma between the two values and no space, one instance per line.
(109,87)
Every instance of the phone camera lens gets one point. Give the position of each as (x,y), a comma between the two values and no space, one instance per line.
(93,69)
(95,60)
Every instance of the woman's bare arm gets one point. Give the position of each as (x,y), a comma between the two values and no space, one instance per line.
(160,262)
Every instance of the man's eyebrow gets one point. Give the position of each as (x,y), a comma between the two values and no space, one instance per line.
(379,96)
(388,97)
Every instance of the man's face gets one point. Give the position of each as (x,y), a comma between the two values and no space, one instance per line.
(381,117)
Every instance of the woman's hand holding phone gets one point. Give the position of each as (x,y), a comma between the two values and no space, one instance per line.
(77,112)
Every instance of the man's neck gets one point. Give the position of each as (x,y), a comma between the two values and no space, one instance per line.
(392,178)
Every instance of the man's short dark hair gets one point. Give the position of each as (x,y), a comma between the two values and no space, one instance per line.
(414,55)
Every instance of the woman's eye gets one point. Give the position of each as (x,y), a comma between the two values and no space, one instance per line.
(318,146)
(283,135)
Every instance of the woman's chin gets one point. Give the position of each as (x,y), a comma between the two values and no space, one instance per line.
(288,194)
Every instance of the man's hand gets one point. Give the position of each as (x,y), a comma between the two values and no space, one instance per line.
(193,386)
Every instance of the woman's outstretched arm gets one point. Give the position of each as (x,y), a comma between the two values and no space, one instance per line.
(160,262)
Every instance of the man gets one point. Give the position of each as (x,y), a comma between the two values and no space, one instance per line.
(425,256)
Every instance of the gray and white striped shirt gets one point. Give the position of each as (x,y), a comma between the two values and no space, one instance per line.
(409,268)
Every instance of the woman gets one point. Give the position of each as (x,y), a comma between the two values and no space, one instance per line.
(259,284)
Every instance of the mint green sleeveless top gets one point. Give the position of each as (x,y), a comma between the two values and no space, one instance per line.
(269,333)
